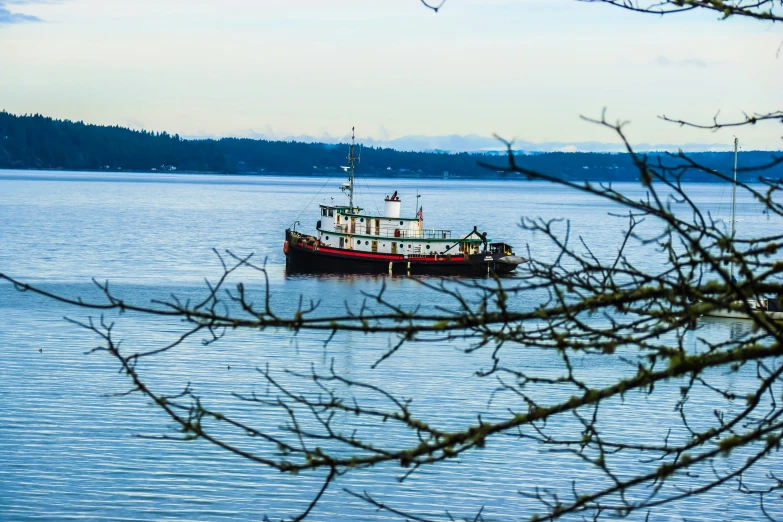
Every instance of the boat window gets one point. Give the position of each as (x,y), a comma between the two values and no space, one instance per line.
(361,220)
(402,223)
(323,211)
(428,247)
(366,242)
(331,212)
(327,237)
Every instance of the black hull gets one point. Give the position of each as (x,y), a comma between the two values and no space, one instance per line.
(306,259)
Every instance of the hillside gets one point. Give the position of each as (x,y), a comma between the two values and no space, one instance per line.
(39,142)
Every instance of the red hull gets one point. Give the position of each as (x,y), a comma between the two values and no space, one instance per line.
(303,256)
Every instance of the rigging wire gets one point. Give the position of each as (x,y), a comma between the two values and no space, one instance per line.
(372,198)
(311,201)
(361,197)
(719,210)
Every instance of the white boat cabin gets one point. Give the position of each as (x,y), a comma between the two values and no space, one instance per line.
(347,228)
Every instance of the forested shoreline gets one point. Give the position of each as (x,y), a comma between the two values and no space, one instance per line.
(39,142)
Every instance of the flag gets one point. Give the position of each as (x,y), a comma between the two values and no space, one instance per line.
(420,214)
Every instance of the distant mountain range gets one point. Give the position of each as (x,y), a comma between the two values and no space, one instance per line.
(455,143)
(39,142)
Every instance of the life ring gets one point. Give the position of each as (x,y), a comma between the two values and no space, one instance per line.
(285,247)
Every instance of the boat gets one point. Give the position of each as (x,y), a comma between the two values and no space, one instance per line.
(348,240)
(768,307)
(738,309)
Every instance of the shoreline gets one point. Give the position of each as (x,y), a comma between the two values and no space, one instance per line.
(51,175)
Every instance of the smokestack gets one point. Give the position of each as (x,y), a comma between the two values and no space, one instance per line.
(391,207)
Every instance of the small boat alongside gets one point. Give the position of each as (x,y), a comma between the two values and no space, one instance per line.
(771,308)
(348,240)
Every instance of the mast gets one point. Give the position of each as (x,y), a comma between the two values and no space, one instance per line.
(734,202)
(352,159)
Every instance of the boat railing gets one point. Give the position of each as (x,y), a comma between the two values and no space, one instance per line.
(430,233)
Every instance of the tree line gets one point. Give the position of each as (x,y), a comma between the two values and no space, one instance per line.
(40,142)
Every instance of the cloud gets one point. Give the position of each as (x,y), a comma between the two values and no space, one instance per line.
(694,62)
(7,17)
(688,62)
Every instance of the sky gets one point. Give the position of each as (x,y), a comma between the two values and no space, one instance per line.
(524,69)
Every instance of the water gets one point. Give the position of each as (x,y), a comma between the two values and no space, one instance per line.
(68,444)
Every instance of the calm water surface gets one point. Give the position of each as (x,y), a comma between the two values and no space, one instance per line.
(67,444)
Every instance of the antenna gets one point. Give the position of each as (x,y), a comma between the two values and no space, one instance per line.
(352,160)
